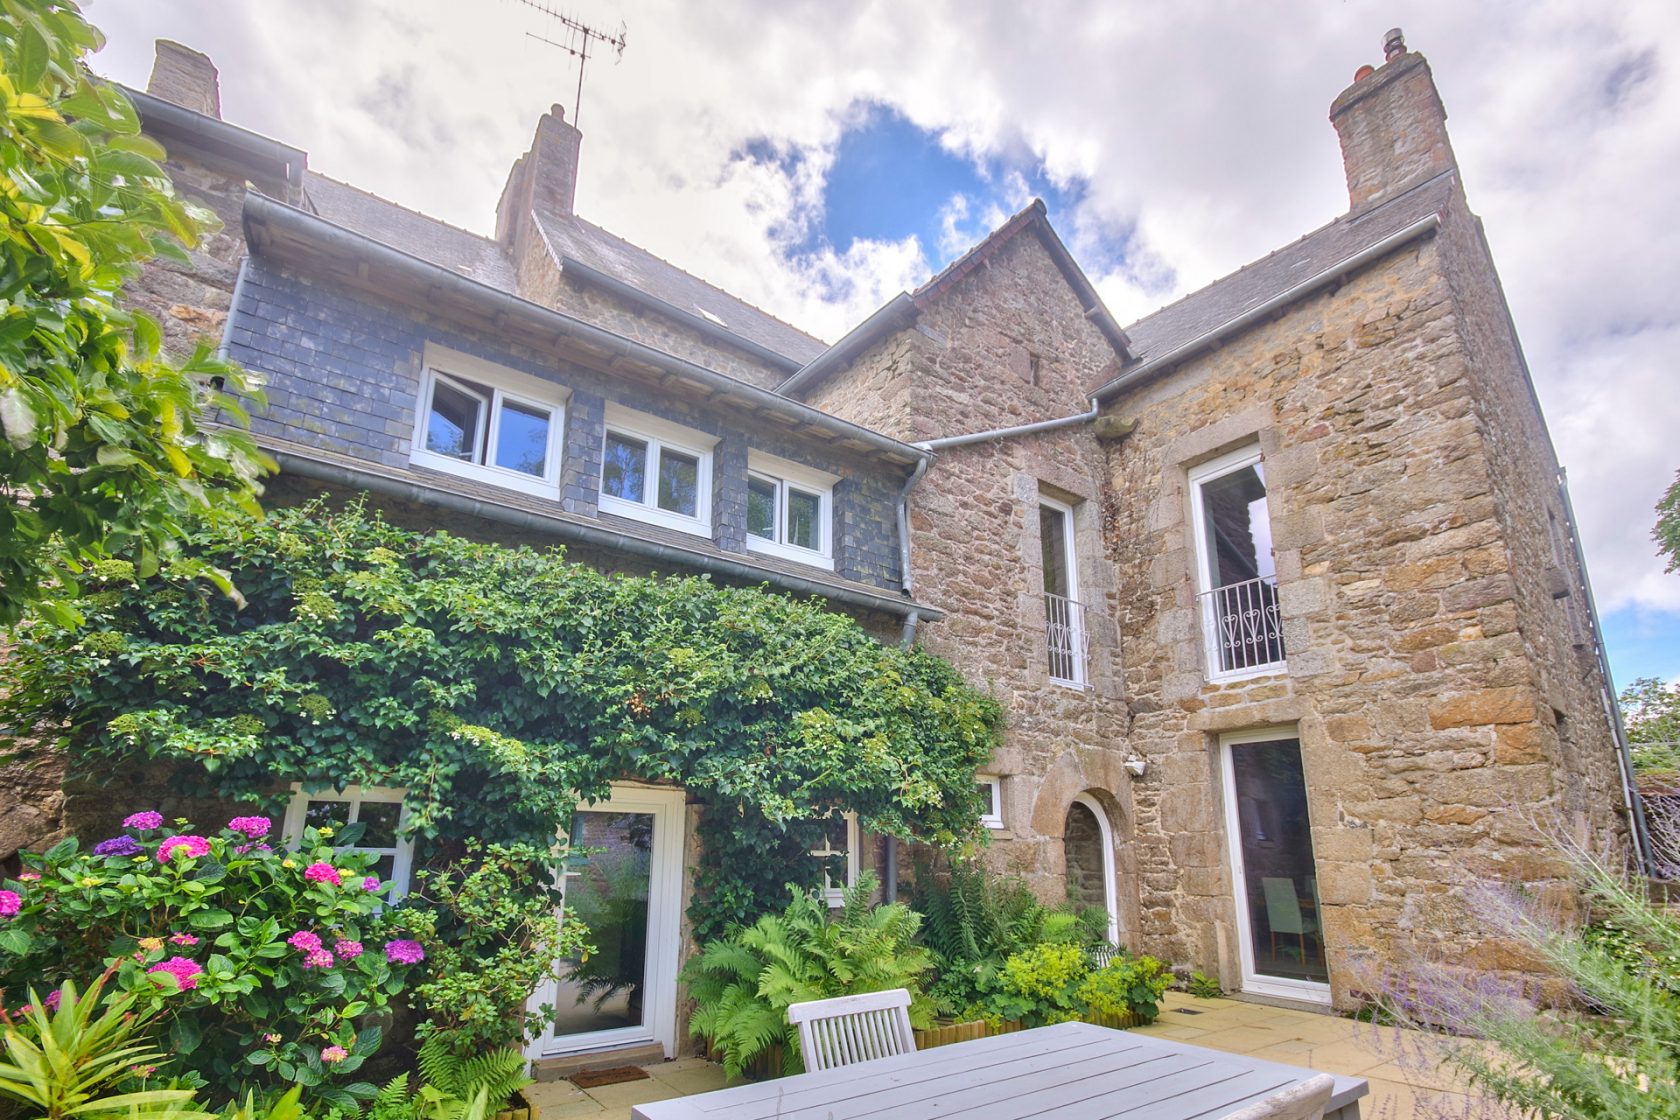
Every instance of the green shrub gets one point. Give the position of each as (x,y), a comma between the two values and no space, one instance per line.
(1055,983)
(1127,985)
(743,983)
(261,965)
(1203,986)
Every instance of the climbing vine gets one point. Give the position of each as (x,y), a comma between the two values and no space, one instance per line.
(500,686)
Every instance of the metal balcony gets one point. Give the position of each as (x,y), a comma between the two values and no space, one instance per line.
(1240,621)
(1064,632)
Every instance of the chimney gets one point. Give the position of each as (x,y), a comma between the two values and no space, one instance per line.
(186,78)
(544,179)
(1392,126)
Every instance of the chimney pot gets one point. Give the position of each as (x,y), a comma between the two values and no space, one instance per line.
(1394,44)
(1392,127)
(1364,72)
(185,77)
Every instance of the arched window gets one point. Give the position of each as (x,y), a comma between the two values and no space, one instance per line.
(1088,844)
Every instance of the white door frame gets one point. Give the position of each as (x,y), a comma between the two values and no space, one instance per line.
(659,993)
(1111,901)
(1308,990)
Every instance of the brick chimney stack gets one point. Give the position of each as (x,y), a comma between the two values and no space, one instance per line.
(187,78)
(1392,126)
(544,179)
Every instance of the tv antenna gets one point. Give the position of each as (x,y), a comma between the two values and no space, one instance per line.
(579,41)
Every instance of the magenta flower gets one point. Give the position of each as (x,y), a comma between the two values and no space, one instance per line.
(319,958)
(10,903)
(404,952)
(183,939)
(334,1054)
(254,828)
(118,846)
(52,999)
(184,969)
(371,883)
(322,873)
(144,821)
(193,846)
(304,941)
(347,949)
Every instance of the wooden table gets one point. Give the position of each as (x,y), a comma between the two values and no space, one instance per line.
(1072,1071)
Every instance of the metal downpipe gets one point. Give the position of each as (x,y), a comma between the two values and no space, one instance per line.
(913,618)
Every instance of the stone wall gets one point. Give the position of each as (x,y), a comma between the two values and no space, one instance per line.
(1010,343)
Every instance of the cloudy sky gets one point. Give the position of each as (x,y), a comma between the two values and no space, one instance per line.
(818,156)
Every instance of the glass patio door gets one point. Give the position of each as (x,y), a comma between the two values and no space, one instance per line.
(1280,923)
(625,886)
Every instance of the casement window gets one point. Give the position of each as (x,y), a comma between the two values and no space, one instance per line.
(1235,569)
(991,798)
(839,855)
(380,812)
(1064,614)
(790,510)
(656,471)
(481,421)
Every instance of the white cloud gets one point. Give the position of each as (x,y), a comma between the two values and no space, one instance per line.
(1199,128)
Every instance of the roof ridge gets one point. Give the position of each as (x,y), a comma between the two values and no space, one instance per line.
(1349,218)
(311,172)
(701,280)
(1007,228)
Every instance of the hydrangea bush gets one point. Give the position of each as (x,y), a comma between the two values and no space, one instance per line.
(263,964)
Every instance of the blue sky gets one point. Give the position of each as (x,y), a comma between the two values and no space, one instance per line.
(1642,643)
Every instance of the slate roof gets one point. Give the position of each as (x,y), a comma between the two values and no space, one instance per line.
(595,247)
(1252,285)
(417,234)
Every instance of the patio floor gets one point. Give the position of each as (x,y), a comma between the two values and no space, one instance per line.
(1405,1082)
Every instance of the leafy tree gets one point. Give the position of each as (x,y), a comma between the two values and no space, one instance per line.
(106,446)
(1651,713)
(1667,532)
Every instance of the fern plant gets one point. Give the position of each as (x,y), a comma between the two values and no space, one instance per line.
(499,1073)
(745,981)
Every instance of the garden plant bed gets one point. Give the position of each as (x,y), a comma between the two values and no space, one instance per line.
(518,1109)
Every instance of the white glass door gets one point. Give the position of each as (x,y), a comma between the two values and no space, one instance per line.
(625,884)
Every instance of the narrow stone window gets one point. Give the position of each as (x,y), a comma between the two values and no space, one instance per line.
(1064,614)
(1236,571)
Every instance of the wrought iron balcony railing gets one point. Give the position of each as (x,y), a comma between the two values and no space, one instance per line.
(1064,631)
(1240,621)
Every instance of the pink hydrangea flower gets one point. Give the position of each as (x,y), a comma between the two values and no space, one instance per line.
(254,828)
(184,969)
(304,941)
(319,958)
(28,876)
(370,883)
(334,1054)
(10,903)
(182,939)
(322,873)
(347,949)
(144,821)
(193,846)
(404,952)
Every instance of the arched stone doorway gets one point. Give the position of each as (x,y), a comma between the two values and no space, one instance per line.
(1088,849)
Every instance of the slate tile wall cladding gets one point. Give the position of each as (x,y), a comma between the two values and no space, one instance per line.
(344,373)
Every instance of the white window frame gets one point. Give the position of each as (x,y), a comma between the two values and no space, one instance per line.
(834,893)
(1080,655)
(1197,477)
(506,386)
(659,434)
(402,856)
(992,815)
(1111,902)
(782,473)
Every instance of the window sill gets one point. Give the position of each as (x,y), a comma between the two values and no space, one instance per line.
(653,515)
(789,552)
(1271,669)
(495,476)
(1074,686)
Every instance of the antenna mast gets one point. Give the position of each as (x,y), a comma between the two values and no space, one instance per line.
(579,37)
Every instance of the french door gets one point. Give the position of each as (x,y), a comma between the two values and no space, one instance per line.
(1280,923)
(626,886)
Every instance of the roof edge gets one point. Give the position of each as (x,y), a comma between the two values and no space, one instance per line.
(159,115)
(896,314)
(260,210)
(583,273)
(1426,225)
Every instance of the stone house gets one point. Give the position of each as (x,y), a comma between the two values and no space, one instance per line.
(1277,586)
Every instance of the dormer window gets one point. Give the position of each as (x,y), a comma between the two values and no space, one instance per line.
(656,471)
(790,510)
(482,421)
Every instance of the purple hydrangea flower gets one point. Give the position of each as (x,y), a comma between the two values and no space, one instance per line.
(347,949)
(144,821)
(254,828)
(118,846)
(404,952)
(370,883)
(10,903)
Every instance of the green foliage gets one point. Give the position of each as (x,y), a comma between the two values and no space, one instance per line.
(1127,985)
(283,1107)
(1620,1059)
(1667,531)
(500,686)
(262,965)
(395,1102)
(745,982)
(1203,986)
(1651,714)
(81,1059)
(487,923)
(107,448)
(497,1073)
(1041,985)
